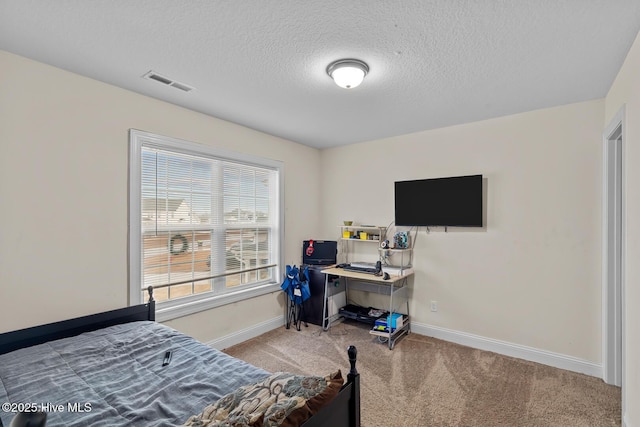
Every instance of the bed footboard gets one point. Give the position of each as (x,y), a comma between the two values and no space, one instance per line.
(344,409)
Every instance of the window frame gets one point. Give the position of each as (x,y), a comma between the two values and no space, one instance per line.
(171,309)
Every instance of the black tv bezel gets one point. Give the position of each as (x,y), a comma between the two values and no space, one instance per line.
(479,224)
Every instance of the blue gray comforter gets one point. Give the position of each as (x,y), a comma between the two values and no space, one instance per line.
(115,377)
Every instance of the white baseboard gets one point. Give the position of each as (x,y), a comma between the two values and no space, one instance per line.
(509,349)
(556,360)
(247,333)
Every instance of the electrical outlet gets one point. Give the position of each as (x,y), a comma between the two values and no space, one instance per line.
(434,305)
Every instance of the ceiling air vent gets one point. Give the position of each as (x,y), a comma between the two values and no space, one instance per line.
(152,75)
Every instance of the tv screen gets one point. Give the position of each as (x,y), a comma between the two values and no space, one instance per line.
(452,201)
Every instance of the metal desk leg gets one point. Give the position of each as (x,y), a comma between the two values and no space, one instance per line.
(391,340)
(325,315)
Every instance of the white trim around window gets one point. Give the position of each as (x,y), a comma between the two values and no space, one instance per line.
(140,144)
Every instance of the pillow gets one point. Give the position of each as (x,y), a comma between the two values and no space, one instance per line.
(281,399)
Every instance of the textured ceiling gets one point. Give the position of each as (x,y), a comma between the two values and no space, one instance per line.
(261,63)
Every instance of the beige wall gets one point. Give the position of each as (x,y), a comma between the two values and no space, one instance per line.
(532,275)
(626,91)
(63,192)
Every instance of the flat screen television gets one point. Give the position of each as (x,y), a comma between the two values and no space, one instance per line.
(452,201)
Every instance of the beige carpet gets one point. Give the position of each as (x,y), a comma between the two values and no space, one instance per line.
(428,382)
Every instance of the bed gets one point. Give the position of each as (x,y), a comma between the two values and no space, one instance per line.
(121,368)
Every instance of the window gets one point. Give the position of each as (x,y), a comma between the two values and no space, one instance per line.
(205,225)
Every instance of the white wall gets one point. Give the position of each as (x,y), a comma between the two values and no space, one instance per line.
(532,275)
(63,193)
(626,91)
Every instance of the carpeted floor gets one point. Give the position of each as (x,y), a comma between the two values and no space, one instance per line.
(428,382)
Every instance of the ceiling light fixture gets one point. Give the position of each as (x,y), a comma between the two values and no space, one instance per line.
(348,73)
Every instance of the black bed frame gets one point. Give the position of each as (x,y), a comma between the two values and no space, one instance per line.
(343,411)
(67,328)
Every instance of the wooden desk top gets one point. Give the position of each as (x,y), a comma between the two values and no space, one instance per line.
(364,276)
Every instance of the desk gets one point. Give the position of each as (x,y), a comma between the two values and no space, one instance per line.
(369,283)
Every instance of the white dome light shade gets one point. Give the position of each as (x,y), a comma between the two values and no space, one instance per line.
(348,73)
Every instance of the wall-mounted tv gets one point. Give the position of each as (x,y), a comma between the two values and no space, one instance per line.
(452,201)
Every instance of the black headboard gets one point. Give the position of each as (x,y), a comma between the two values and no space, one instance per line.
(35,335)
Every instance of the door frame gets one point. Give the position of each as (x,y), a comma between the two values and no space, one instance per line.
(613,282)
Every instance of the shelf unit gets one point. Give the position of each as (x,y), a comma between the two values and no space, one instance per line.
(373,234)
(396,289)
(404,256)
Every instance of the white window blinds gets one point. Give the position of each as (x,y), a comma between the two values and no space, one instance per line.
(207,225)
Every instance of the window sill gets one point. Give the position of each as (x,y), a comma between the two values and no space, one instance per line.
(192,307)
